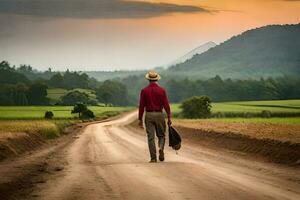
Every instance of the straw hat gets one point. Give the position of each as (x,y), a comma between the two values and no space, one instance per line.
(152,76)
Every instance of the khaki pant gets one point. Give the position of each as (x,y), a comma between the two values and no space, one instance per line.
(155,123)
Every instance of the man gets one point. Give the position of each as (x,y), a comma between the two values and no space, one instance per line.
(154,99)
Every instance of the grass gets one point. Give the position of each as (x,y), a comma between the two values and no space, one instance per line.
(60,112)
(251,106)
(280,129)
(30,119)
(47,128)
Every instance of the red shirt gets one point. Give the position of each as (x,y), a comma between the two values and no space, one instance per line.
(154,98)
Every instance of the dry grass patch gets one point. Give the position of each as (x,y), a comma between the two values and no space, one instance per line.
(280,132)
(48,129)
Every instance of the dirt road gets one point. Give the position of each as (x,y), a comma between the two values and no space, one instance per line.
(110,161)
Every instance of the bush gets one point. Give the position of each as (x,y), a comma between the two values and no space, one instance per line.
(49,115)
(196,107)
(266,114)
(87,114)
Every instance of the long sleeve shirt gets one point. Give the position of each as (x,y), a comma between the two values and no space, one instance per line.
(154,98)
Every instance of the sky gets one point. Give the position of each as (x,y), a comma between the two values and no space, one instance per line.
(125,35)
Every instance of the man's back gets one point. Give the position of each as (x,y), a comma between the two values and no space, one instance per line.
(153,98)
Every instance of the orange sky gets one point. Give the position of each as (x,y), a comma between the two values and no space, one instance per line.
(136,43)
(227,17)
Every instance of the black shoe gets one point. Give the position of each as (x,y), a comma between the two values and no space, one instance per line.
(161,155)
(153,161)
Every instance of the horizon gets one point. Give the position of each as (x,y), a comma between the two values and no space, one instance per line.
(122,38)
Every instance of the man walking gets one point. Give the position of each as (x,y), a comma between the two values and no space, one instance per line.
(154,99)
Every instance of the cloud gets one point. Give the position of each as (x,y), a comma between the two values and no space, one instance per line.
(108,9)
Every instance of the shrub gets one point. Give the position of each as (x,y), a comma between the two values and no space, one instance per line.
(266,114)
(49,115)
(196,107)
(87,114)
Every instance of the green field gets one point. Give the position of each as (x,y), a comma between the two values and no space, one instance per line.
(60,112)
(251,106)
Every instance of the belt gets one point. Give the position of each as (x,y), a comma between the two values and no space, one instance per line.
(153,110)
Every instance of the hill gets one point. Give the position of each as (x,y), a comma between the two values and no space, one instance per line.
(199,50)
(269,51)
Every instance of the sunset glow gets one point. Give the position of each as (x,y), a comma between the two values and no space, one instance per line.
(138,42)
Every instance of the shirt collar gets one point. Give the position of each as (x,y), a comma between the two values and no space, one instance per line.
(153,84)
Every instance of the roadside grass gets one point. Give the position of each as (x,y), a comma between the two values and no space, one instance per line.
(279,129)
(48,129)
(30,119)
(60,112)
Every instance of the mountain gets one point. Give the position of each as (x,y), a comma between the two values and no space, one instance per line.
(269,51)
(199,50)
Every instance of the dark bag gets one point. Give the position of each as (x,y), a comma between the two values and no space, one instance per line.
(174,138)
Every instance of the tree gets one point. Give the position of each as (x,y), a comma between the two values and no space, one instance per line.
(79,108)
(56,81)
(7,95)
(20,94)
(37,94)
(73,80)
(196,107)
(71,98)
(112,92)
(8,75)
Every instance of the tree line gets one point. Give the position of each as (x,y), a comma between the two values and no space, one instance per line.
(25,86)
(221,90)
(235,90)
(20,86)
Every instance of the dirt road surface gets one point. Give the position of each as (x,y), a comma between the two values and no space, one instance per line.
(110,161)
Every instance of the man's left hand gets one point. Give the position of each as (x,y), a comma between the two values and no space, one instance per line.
(169,122)
(141,125)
